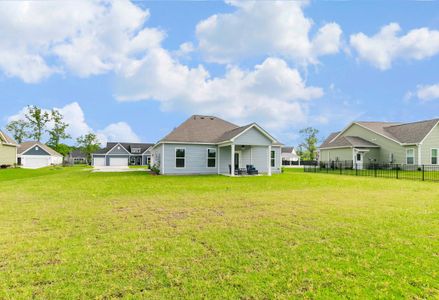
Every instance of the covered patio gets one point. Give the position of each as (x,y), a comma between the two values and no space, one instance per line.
(239,159)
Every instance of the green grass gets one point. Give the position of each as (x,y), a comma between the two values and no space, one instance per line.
(68,233)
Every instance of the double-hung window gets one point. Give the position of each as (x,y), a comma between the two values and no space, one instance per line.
(211,158)
(273,158)
(180,157)
(410,156)
(434,155)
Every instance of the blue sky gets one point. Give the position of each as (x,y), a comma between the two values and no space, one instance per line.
(134,71)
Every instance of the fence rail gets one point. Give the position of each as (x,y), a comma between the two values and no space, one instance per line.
(398,171)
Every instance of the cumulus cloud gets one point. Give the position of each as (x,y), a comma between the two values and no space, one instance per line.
(259,28)
(383,48)
(425,92)
(74,116)
(84,37)
(271,93)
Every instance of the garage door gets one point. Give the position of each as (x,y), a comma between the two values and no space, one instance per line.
(99,161)
(35,162)
(118,161)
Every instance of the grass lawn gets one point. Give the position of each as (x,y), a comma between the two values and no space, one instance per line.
(67,233)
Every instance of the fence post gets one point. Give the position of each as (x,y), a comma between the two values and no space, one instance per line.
(397,171)
(375,170)
(423,172)
(356,169)
(341,172)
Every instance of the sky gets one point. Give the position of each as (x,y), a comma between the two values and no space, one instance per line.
(133,71)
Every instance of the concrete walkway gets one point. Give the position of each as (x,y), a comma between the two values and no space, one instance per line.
(117,169)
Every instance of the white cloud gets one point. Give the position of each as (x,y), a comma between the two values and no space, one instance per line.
(117,132)
(84,37)
(425,92)
(383,48)
(272,93)
(74,116)
(259,28)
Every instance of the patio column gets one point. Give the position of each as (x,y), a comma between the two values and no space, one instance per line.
(269,160)
(232,160)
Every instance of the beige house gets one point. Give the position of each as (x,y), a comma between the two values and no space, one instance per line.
(8,150)
(414,143)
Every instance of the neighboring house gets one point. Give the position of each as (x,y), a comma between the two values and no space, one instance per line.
(398,143)
(123,154)
(210,145)
(76,157)
(8,150)
(34,155)
(289,156)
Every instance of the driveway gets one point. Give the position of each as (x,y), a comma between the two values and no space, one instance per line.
(117,169)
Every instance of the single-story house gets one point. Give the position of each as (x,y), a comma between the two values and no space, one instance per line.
(34,155)
(414,143)
(123,154)
(210,145)
(76,157)
(289,156)
(8,150)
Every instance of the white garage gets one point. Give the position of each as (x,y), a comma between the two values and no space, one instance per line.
(34,155)
(35,162)
(99,161)
(118,161)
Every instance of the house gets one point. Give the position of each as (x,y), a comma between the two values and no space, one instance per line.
(8,150)
(34,155)
(414,143)
(76,157)
(123,154)
(210,145)
(289,156)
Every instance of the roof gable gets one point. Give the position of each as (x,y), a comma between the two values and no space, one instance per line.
(26,146)
(200,129)
(4,138)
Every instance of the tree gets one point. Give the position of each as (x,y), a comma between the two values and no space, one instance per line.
(63,149)
(37,119)
(309,144)
(18,129)
(88,144)
(58,132)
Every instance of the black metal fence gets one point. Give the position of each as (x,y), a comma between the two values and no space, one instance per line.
(299,163)
(398,171)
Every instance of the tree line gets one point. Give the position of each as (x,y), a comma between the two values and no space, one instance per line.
(35,125)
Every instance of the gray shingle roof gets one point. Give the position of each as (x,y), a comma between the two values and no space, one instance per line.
(287,149)
(128,146)
(347,141)
(200,129)
(206,129)
(405,133)
(7,138)
(23,147)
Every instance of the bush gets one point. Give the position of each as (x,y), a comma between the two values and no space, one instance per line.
(5,166)
(155,169)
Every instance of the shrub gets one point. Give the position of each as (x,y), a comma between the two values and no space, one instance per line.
(155,169)
(5,166)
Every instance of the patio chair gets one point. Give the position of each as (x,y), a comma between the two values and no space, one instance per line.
(251,170)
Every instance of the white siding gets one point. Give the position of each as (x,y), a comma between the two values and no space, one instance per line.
(224,159)
(195,159)
(252,137)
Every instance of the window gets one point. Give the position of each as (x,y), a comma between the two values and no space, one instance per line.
(273,158)
(180,157)
(358,156)
(211,158)
(410,156)
(391,158)
(434,154)
(136,150)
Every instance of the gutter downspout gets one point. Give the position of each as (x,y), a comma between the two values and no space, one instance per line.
(419,154)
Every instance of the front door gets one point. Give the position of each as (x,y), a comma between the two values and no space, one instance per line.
(237,156)
(359,160)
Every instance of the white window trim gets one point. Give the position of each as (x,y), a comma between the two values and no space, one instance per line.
(175,154)
(273,158)
(406,155)
(207,159)
(437,156)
